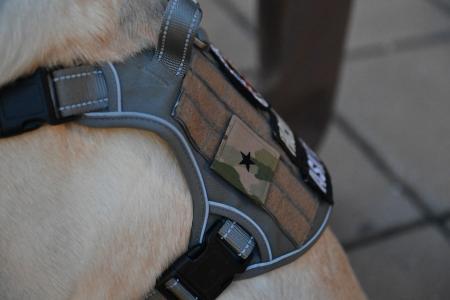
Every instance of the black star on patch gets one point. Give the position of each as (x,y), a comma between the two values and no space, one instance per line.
(247,161)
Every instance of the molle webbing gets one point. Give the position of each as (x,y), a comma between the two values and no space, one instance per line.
(205,108)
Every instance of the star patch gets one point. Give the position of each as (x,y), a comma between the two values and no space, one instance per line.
(246,161)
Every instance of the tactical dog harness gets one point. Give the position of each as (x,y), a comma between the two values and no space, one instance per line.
(261,197)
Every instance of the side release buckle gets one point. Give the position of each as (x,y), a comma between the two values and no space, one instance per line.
(26,104)
(206,270)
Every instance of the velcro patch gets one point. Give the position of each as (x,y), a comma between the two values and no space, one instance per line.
(313,171)
(242,84)
(246,161)
(284,134)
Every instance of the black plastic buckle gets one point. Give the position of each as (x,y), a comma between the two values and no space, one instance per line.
(206,270)
(26,104)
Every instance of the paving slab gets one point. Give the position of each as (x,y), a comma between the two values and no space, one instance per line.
(400,104)
(443,5)
(248,9)
(384,21)
(236,44)
(412,266)
(365,202)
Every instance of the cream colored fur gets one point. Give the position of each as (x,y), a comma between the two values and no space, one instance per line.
(60,32)
(100,213)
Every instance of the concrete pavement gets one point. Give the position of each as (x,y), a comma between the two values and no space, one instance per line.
(389,144)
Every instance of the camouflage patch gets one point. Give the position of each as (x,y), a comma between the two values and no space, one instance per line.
(246,161)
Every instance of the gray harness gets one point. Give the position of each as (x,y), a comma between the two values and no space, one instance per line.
(232,236)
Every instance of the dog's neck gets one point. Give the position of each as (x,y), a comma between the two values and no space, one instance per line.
(49,33)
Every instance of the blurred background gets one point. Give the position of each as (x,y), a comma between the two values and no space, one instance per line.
(387,139)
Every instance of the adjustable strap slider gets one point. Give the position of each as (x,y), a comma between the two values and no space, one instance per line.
(205,271)
(51,98)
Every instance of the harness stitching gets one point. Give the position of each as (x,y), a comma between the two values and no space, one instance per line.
(229,231)
(166,29)
(79,75)
(186,42)
(246,246)
(83,104)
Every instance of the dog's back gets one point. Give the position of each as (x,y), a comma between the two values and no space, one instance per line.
(69,231)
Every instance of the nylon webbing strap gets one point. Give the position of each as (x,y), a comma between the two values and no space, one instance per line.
(155,295)
(180,24)
(51,98)
(238,239)
(79,90)
(179,290)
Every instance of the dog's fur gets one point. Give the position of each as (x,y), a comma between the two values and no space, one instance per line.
(51,32)
(100,213)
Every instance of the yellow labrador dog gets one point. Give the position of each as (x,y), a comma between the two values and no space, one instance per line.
(87,213)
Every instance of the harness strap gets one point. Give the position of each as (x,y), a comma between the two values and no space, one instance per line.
(179,26)
(51,98)
(54,98)
(79,90)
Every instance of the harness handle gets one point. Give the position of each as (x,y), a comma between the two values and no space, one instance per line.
(179,27)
